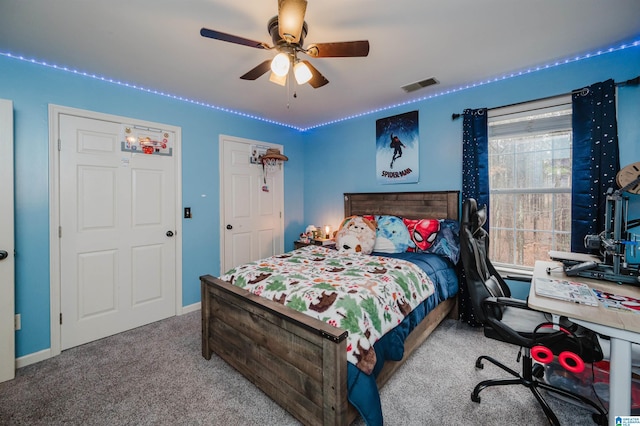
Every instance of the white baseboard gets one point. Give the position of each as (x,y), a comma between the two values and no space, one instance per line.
(191,308)
(32,358)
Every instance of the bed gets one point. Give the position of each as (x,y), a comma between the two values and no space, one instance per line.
(300,361)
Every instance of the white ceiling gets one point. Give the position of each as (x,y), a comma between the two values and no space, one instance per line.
(156,44)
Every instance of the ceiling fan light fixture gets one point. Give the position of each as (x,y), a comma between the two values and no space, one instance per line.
(280,64)
(291,18)
(277,79)
(302,72)
(288,30)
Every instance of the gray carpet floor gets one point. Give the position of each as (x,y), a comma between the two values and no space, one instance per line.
(156,375)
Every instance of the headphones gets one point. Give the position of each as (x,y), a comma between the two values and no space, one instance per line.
(570,361)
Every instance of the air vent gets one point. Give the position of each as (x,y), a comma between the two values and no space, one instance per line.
(419,85)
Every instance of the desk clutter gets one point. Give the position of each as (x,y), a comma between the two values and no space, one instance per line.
(593,267)
(616,244)
(617,301)
(622,329)
(592,383)
(569,291)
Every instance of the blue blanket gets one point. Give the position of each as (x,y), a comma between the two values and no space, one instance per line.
(363,390)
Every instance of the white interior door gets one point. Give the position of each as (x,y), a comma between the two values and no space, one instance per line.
(117,229)
(251,204)
(7,262)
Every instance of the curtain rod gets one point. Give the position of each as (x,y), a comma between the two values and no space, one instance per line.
(632,82)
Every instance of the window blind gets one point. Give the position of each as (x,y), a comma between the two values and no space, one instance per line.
(544,116)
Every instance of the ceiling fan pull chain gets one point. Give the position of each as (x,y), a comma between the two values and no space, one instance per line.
(289,89)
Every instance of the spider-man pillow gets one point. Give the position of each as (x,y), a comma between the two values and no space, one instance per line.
(423,232)
(397,235)
(447,241)
(440,237)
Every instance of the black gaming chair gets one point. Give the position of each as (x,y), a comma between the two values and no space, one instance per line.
(512,321)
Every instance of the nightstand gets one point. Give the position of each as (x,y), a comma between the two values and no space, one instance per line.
(299,244)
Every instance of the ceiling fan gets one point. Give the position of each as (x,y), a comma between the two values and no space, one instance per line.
(288,30)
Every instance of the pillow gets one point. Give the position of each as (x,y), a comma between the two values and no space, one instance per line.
(356,234)
(392,235)
(423,232)
(447,243)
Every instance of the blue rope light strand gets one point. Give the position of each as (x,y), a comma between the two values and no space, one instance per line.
(362,114)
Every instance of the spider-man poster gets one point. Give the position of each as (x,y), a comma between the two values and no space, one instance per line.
(397,145)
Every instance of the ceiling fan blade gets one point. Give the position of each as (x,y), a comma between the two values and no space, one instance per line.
(342,49)
(257,71)
(217,35)
(317,79)
(291,18)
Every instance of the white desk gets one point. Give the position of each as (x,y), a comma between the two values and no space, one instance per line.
(623,328)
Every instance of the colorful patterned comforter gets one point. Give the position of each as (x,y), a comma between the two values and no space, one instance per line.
(364,295)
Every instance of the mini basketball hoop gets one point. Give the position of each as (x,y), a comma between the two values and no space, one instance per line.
(271,162)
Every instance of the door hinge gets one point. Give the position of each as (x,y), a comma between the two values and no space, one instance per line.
(59,231)
(60,318)
(59,145)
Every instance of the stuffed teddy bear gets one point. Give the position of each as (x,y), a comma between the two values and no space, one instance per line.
(356,234)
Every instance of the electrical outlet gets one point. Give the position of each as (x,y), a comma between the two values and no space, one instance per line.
(17,322)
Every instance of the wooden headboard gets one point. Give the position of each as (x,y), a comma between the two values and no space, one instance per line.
(412,205)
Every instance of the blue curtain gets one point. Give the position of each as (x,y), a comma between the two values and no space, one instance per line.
(596,159)
(475,157)
(475,184)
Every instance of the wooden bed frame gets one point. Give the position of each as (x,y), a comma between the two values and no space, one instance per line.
(299,361)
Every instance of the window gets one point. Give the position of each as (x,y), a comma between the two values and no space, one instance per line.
(530,180)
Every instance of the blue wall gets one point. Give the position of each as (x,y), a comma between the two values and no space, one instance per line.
(350,145)
(324,162)
(33,87)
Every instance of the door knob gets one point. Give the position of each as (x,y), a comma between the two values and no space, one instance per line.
(169,233)
(229,227)
(3,254)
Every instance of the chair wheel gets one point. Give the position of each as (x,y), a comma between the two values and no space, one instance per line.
(599,419)
(537,371)
(475,398)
